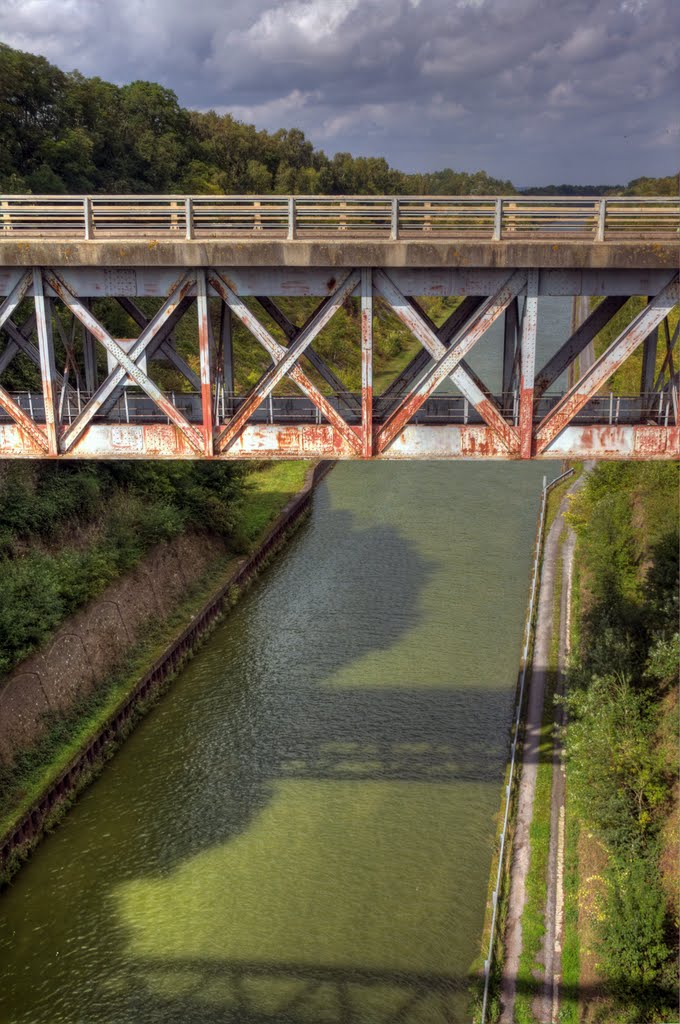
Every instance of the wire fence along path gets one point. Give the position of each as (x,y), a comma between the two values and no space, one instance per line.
(490,218)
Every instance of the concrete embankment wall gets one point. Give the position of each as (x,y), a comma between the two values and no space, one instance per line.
(92,644)
(109,631)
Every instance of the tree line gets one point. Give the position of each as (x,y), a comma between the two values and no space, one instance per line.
(65,133)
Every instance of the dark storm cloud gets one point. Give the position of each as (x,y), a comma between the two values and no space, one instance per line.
(528,89)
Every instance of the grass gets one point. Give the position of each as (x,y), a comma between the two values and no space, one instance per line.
(272,487)
(556,495)
(533,917)
(571,954)
(571,945)
(626,380)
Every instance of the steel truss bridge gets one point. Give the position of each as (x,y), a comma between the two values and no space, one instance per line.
(218,260)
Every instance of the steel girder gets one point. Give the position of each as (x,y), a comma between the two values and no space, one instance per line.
(506,429)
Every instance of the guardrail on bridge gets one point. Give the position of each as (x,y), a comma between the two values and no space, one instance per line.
(493,218)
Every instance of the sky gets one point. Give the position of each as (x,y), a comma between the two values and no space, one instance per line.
(537,91)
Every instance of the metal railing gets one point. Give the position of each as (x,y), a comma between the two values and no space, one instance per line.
(657,408)
(492,218)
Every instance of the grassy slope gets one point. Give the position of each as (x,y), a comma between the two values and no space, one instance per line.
(271,489)
(654,512)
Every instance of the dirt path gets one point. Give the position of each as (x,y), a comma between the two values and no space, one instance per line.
(527,784)
(546,1006)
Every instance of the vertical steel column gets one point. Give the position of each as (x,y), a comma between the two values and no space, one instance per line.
(204,356)
(527,366)
(226,345)
(366,362)
(48,370)
(509,352)
(649,346)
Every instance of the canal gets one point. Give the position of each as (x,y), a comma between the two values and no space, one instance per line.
(301,831)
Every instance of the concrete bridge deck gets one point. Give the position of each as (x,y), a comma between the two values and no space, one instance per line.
(229,256)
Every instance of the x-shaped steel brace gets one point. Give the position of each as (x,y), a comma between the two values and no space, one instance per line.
(164,346)
(576,343)
(667,366)
(423,358)
(292,331)
(601,370)
(127,362)
(6,401)
(447,360)
(285,360)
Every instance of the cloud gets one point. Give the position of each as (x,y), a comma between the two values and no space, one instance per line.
(527,89)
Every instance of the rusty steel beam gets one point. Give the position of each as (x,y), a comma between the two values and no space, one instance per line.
(127,364)
(20,338)
(291,331)
(161,343)
(28,425)
(667,365)
(285,364)
(205,359)
(277,353)
(15,297)
(48,370)
(601,370)
(649,347)
(510,355)
(578,341)
(226,352)
(448,360)
(448,330)
(367,362)
(527,358)
(423,358)
(13,347)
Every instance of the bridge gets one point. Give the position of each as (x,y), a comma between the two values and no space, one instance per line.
(68,263)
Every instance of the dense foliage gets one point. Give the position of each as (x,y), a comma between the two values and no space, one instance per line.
(66,531)
(620,739)
(67,133)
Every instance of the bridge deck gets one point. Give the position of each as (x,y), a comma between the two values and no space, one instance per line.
(228,255)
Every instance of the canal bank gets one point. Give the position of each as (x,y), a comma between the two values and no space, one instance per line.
(119,700)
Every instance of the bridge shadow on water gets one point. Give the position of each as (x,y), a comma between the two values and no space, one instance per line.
(276,717)
(259,711)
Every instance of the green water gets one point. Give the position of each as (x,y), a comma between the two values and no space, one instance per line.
(301,831)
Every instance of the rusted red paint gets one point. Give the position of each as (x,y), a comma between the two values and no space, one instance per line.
(366,363)
(204,358)
(166,441)
(526,419)
(602,369)
(127,363)
(48,370)
(448,360)
(277,352)
(25,422)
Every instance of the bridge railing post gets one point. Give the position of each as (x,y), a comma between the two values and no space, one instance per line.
(394,220)
(291,218)
(189,218)
(87,218)
(601,220)
(498,220)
